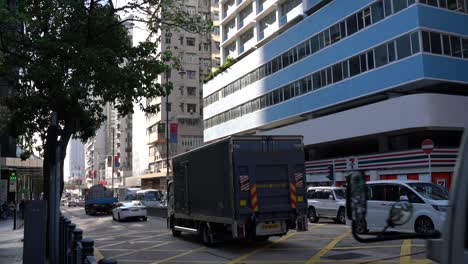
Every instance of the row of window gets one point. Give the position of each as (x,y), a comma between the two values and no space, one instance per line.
(191,141)
(352,24)
(456,5)
(379,56)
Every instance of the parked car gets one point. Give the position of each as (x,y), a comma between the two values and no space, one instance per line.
(80,202)
(429,202)
(71,203)
(326,202)
(126,210)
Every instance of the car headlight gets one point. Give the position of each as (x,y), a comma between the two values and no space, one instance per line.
(441,208)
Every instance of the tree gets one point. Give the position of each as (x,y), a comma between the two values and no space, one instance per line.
(66,59)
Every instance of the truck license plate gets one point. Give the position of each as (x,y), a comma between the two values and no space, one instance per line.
(135,210)
(270,228)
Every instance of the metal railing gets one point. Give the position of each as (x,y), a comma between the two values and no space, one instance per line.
(74,249)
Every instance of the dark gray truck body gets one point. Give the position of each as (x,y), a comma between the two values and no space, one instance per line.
(214,187)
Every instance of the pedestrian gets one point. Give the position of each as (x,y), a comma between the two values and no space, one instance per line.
(21,208)
(5,210)
(12,207)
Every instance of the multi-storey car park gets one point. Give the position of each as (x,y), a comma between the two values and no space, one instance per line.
(364,81)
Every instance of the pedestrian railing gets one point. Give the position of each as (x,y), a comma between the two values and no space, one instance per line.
(74,249)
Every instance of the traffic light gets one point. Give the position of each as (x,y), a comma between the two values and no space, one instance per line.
(13,176)
(331,173)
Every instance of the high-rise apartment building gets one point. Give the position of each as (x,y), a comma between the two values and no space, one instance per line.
(111,145)
(364,81)
(198,55)
(76,160)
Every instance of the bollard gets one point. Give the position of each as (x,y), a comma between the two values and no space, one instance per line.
(77,237)
(71,228)
(107,261)
(88,248)
(64,246)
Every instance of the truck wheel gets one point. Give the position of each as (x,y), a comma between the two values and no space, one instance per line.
(206,235)
(361,227)
(312,215)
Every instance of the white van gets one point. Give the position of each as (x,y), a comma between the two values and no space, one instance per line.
(429,201)
(150,197)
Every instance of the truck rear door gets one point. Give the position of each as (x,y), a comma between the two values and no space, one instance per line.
(270,179)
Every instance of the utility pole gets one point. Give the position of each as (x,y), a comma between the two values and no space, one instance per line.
(167,128)
(113,158)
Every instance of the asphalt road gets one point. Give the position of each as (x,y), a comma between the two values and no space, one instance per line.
(325,242)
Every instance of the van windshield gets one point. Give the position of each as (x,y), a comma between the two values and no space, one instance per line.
(430,190)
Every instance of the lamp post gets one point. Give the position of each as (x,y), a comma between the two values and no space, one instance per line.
(181,72)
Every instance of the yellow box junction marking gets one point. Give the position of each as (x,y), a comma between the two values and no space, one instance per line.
(323,251)
(405,251)
(178,256)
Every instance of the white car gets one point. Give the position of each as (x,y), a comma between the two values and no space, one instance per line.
(326,202)
(429,201)
(126,210)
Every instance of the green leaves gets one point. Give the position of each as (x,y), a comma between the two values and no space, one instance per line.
(73,57)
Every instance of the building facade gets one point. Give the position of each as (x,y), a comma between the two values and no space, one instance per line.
(198,54)
(112,145)
(76,160)
(365,82)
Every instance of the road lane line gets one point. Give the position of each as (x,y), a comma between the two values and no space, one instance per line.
(179,255)
(143,249)
(323,251)
(135,239)
(405,252)
(243,257)
(377,246)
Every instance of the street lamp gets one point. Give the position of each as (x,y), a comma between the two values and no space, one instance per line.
(181,72)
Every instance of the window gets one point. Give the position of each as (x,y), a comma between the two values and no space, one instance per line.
(446,45)
(351,23)
(456,46)
(367,16)
(181,90)
(381,55)
(217,45)
(354,66)
(190,42)
(168,38)
(426,41)
(362,59)
(191,108)
(436,46)
(414,42)
(399,5)
(377,11)
(370,59)
(391,51)
(388,7)
(335,33)
(206,46)
(376,192)
(465,48)
(191,74)
(287,92)
(191,91)
(317,81)
(191,58)
(403,47)
(182,107)
(181,40)
(337,72)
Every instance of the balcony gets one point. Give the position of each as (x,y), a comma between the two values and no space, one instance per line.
(247,45)
(267,31)
(291,15)
(154,139)
(245,21)
(264,6)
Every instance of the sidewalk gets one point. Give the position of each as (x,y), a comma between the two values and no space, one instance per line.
(11,247)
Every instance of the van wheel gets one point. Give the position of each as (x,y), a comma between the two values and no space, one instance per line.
(360,226)
(341,216)
(423,225)
(312,215)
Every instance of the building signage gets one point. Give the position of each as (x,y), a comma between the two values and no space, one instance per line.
(173,130)
(12,186)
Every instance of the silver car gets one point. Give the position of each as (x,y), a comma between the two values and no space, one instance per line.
(326,202)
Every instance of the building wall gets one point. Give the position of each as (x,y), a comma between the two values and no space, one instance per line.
(76,160)
(420,69)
